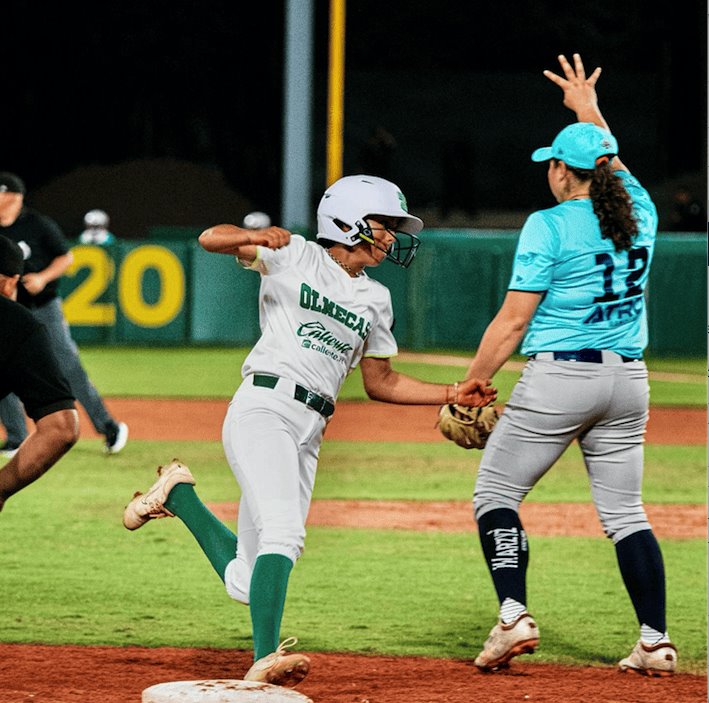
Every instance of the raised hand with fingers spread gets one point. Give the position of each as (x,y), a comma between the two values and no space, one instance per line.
(579,91)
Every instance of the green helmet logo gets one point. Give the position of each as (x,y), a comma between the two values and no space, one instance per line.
(402,200)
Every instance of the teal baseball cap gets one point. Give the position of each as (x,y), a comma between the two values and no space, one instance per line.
(579,145)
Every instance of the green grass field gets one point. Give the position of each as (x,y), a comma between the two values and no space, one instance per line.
(216,372)
(72,574)
(77,576)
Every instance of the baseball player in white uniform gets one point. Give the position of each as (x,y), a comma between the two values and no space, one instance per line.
(320,317)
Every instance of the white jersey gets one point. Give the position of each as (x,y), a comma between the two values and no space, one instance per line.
(316,321)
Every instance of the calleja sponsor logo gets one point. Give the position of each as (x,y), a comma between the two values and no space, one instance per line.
(327,343)
(310,299)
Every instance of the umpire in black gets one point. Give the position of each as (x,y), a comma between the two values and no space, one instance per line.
(47,256)
(28,369)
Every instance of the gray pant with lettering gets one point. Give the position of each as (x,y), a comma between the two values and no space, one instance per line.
(67,354)
(603,406)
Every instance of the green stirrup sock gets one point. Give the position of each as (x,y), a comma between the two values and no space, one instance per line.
(217,541)
(267,595)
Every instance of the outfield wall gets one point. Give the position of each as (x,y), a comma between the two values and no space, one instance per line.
(169,291)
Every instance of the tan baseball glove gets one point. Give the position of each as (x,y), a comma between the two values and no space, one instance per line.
(467,427)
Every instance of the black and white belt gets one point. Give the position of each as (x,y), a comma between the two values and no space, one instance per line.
(589,356)
(310,398)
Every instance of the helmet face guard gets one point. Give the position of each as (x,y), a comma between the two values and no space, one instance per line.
(401,251)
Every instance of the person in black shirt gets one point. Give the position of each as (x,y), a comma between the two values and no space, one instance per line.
(28,368)
(47,256)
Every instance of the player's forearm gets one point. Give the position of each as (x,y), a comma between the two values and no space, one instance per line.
(499,342)
(591,113)
(504,333)
(388,386)
(227,239)
(405,390)
(57,267)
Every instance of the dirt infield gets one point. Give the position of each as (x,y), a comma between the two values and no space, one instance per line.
(540,519)
(75,674)
(358,421)
(371,421)
(45,674)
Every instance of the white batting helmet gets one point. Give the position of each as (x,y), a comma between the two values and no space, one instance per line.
(351,199)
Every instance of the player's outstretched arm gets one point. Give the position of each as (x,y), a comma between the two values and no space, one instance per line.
(240,242)
(580,93)
(35,283)
(504,333)
(383,383)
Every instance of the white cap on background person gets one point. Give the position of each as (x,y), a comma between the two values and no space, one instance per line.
(96,228)
(256,220)
(96,218)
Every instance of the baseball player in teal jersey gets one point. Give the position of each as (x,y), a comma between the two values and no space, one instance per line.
(576,296)
(321,316)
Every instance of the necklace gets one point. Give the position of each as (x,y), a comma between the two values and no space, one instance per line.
(343,265)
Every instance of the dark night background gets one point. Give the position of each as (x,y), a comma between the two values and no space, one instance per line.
(169,113)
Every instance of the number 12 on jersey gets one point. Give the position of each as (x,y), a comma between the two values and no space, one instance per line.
(637,263)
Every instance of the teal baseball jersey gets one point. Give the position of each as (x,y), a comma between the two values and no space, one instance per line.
(593,296)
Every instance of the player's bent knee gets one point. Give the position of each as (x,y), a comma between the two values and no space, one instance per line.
(618,527)
(237,580)
(493,490)
(485,503)
(288,540)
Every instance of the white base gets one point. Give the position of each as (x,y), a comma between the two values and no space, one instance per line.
(221,691)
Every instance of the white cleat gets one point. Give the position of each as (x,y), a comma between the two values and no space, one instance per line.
(651,659)
(508,640)
(151,505)
(280,668)
(116,438)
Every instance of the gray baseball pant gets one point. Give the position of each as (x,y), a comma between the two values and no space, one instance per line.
(603,406)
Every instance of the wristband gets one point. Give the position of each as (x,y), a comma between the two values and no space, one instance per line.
(455,392)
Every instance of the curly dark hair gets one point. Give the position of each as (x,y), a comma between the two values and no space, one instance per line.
(611,203)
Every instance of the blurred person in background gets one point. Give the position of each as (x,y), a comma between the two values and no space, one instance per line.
(256,220)
(687,212)
(47,256)
(96,224)
(29,369)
